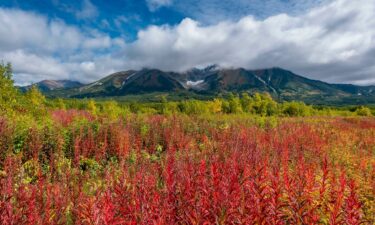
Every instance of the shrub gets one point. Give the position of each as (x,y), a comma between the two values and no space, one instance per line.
(363,111)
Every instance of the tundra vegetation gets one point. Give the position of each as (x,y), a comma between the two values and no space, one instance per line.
(245,159)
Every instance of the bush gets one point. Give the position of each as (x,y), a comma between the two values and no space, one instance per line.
(296,109)
(363,111)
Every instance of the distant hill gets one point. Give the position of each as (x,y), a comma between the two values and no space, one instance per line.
(212,81)
(51,85)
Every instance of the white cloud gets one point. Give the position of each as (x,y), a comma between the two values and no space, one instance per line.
(40,48)
(98,42)
(333,42)
(88,10)
(20,29)
(33,64)
(88,67)
(153,5)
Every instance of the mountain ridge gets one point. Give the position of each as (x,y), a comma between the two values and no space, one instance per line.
(51,85)
(212,81)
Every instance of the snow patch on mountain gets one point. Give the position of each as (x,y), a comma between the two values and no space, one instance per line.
(190,83)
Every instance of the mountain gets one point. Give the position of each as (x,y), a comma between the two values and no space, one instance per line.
(212,81)
(51,85)
(129,82)
(146,81)
(107,86)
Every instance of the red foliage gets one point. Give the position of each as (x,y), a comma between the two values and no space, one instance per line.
(156,170)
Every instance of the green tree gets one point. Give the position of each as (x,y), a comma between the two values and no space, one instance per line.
(216,105)
(35,102)
(246,102)
(225,106)
(296,109)
(164,105)
(8,93)
(258,107)
(35,97)
(271,107)
(60,104)
(264,105)
(91,107)
(193,107)
(111,109)
(234,104)
(363,111)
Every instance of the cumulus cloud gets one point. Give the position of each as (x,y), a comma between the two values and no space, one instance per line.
(153,5)
(40,48)
(34,64)
(27,30)
(333,42)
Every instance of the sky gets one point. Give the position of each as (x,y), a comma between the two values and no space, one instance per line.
(85,40)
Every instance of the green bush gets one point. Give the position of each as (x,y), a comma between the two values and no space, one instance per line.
(296,109)
(363,111)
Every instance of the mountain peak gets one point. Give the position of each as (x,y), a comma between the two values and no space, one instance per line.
(209,68)
(213,67)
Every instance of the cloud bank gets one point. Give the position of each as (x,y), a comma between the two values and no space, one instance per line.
(39,48)
(334,42)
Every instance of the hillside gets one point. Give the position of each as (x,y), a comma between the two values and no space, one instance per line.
(52,85)
(212,81)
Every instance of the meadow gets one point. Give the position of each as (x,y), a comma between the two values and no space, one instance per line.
(242,160)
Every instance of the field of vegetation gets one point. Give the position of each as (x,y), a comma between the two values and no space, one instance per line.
(241,160)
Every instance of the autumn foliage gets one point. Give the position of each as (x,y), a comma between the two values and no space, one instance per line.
(80,168)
